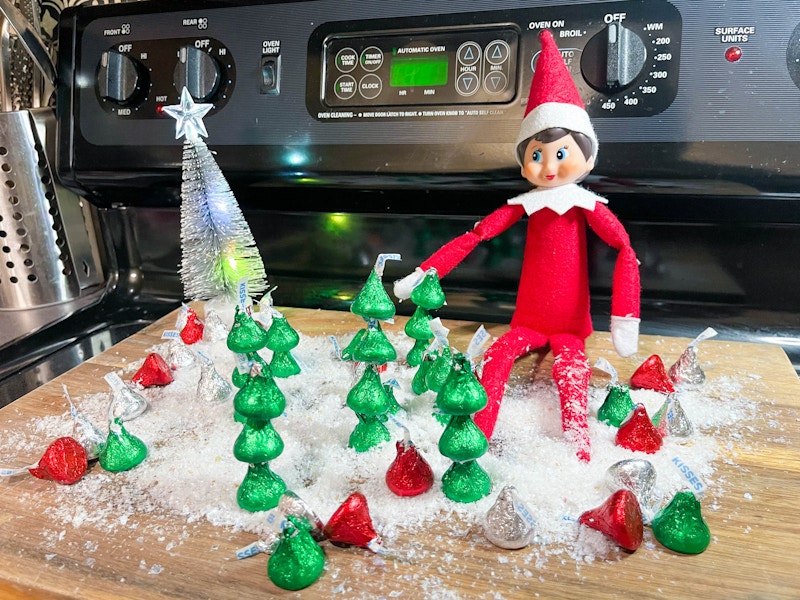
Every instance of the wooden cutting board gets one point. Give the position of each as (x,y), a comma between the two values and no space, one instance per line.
(755,527)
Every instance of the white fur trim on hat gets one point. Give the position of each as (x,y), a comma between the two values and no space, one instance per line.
(556,114)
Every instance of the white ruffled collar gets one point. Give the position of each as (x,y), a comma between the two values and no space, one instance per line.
(559,199)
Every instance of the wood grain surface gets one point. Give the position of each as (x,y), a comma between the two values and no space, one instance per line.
(754,553)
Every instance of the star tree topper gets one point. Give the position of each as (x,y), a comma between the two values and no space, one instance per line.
(189,117)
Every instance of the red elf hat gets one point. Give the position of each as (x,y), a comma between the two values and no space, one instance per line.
(554,100)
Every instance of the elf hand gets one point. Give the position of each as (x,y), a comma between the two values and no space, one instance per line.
(403,287)
(625,335)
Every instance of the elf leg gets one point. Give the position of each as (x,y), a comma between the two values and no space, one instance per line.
(571,373)
(497,364)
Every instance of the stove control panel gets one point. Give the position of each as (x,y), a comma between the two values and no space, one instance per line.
(337,92)
(624,57)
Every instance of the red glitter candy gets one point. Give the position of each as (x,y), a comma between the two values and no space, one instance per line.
(193,329)
(409,474)
(351,524)
(638,433)
(154,371)
(652,375)
(64,461)
(619,517)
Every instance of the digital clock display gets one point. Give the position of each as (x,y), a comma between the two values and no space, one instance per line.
(418,71)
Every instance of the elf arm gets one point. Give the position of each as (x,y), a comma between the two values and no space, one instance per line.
(626,287)
(446,258)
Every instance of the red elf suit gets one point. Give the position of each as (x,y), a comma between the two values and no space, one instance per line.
(552,306)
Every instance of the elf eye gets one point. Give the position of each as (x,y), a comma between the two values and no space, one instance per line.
(536,156)
(562,153)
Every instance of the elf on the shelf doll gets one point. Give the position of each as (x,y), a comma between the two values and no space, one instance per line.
(556,148)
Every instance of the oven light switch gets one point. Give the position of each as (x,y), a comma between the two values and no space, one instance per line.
(270,75)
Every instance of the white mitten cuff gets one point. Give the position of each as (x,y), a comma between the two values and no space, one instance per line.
(625,335)
(403,287)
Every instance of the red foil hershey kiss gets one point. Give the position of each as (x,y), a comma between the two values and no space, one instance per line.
(619,517)
(409,474)
(652,375)
(154,371)
(351,524)
(638,433)
(192,331)
(64,461)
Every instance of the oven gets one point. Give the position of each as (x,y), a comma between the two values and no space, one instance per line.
(349,128)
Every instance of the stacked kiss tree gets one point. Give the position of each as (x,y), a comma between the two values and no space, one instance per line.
(433,366)
(461,396)
(257,403)
(370,399)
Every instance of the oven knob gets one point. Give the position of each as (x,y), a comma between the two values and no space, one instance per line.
(613,59)
(119,77)
(198,73)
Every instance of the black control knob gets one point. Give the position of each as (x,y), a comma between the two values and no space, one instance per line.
(198,72)
(613,59)
(119,77)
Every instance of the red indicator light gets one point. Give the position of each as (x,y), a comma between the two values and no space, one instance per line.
(733,54)
(160,109)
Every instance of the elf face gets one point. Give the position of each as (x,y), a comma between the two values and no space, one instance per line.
(556,163)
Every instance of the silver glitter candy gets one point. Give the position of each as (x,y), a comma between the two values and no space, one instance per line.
(126,404)
(212,387)
(687,370)
(88,436)
(215,330)
(671,418)
(179,355)
(635,475)
(509,523)
(291,504)
(84,431)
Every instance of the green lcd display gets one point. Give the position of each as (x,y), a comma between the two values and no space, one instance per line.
(418,71)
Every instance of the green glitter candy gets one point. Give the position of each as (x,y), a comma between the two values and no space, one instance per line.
(428,294)
(617,405)
(462,440)
(680,526)
(260,398)
(416,355)
(373,302)
(368,396)
(261,489)
(297,561)
(440,368)
(281,337)
(245,335)
(374,346)
(368,433)
(257,443)
(466,482)
(418,327)
(238,378)
(284,365)
(122,450)
(419,383)
(462,393)
(347,351)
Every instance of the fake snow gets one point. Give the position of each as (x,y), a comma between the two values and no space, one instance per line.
(190,473)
